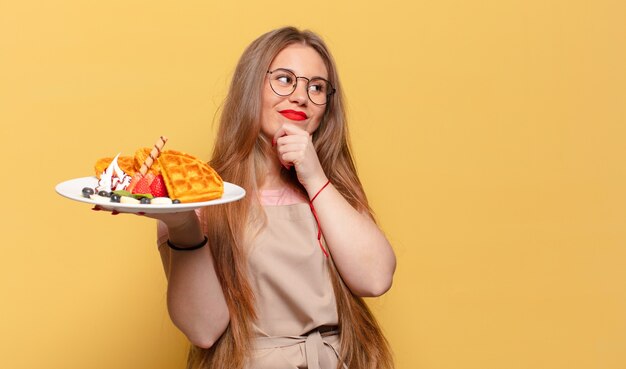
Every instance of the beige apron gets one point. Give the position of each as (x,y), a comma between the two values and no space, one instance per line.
(296,308)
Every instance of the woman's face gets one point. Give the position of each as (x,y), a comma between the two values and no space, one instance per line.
(296,108)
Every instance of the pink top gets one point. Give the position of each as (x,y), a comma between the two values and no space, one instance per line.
(285,196)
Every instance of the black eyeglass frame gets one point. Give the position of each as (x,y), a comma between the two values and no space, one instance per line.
(331,91)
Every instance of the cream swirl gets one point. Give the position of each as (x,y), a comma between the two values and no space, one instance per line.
(113,178)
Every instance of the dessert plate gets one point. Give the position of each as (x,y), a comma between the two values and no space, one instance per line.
(72,189)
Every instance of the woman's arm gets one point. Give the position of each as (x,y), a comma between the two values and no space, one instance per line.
(195,299)
(360,250)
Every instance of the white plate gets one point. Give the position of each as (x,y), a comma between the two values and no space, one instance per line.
(73,190)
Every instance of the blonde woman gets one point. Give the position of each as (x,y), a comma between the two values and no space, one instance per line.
(281,279)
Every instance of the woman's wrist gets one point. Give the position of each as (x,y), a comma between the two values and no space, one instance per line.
(315,186)
(319,191)
(185,230)
(176,247)
(181,221)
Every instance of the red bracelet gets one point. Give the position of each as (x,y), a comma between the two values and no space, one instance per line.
(319,227)
(321,189)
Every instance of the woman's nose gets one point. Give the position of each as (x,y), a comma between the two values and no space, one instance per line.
(300,95)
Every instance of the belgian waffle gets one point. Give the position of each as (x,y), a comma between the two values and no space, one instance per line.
(188,178)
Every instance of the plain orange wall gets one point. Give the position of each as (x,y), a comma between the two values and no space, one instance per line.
(489,136)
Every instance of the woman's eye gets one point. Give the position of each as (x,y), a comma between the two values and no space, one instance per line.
(316,87)
(285,79)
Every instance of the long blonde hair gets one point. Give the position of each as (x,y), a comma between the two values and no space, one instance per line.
(239,156)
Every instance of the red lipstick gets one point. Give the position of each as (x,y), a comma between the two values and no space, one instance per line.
(293,115)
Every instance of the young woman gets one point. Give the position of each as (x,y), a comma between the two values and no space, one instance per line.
(281,281)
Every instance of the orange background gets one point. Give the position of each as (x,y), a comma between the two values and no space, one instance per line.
(489,136)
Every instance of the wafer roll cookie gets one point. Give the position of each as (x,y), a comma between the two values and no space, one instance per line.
(154,154)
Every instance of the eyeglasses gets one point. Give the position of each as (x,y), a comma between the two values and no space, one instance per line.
(284,82)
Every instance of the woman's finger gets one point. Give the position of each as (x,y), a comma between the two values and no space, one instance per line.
(288,129)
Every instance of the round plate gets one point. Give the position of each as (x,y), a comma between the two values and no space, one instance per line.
(73,190)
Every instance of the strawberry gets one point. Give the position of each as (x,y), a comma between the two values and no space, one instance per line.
(150,177)
(142,186)
(157,187)
(133,182)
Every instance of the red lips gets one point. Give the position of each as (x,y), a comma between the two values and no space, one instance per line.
(293,115)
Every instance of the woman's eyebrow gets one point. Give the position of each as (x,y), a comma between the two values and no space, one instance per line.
(296,74)
(283,68)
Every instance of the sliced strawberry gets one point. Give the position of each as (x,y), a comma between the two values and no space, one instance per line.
(133,182)
(142,186)
(157,187)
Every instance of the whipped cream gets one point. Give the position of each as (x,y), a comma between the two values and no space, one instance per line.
(113,178)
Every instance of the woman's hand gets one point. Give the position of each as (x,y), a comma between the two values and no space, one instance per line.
(183,227)
(295,149)
(172,220)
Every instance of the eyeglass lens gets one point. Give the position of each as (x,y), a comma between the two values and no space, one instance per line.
(284,83)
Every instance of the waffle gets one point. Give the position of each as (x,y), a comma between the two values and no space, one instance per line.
(126,163)
(188,178)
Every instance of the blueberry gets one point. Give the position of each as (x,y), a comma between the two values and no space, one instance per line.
(87,192)
(176,201)
(104,194)
(115,197)
(144,200)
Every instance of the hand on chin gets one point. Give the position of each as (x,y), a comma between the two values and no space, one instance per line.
(294,147)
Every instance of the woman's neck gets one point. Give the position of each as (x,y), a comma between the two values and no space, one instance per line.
(273,179)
